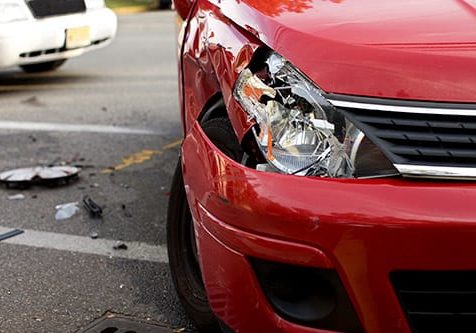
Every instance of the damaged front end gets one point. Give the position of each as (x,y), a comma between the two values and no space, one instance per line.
(298,130)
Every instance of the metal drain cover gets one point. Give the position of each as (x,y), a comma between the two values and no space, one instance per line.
(118,324)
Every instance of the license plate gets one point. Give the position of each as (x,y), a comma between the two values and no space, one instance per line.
(78,37)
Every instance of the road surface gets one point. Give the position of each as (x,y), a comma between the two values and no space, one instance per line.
(116,107)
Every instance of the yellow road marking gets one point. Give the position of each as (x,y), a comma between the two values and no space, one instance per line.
(141,157)
(172,144)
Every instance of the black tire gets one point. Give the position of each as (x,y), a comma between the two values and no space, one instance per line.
(165,4)
(183,262)
(221,133)
(182,250)
(43,66)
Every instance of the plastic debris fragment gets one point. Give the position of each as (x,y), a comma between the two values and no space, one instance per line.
(120,246)
(16,197)
(66,211)
(10,234)
(94,209)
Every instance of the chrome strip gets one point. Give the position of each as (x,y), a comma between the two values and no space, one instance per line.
(356,146)
(426,171)
(406,109)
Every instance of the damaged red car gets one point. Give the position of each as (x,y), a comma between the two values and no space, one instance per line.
(326,181)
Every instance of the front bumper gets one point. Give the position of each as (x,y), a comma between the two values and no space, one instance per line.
(364,229)
(41,40)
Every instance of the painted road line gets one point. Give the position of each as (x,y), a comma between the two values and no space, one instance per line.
(83,128)
(137,158)
(141,157)
(86,245)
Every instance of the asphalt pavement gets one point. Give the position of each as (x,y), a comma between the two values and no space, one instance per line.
(116,110)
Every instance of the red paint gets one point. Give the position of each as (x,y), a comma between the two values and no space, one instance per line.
(183,7)
(366,229)
(412,49)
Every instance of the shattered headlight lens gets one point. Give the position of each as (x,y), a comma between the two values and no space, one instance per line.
(299,131)
(12,11)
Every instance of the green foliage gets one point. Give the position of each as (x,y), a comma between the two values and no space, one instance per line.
(131,3)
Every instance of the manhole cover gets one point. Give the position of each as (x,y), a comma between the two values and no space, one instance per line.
(117,324)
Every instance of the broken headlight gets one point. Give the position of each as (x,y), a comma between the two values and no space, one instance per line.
(298,131)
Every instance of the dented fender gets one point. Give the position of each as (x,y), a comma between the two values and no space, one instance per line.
(215,51)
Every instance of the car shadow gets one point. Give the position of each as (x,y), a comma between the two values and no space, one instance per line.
(14,81)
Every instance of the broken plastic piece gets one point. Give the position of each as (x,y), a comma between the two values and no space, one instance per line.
(16,197)
(92,207)
(50,176)
(120,246)
(66,211)
(126,211)
(11,234)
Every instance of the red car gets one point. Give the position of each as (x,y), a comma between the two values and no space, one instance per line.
(327,174)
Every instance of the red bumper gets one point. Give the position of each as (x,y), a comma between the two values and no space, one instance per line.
(364,229)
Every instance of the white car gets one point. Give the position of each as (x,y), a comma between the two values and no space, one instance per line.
(40,35)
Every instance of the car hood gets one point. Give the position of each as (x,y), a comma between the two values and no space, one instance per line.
(406,49)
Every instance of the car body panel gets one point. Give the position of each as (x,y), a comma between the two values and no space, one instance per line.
(364,229)
(214,53)
(410,49)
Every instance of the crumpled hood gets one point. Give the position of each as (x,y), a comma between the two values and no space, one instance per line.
(407,49)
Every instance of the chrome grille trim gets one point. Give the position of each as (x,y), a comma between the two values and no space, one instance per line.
(412,167)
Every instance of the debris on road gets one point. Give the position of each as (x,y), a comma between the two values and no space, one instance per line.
(33,101)
(120,246)
(10,234)
(48,176)
(94,209)
(126,211)
(16,197)
(66,211)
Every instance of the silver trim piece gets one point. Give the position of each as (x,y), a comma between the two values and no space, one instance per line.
(426,171)
(419,171)
(406,109)
(356,146)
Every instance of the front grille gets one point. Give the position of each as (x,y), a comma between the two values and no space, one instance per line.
(47,8)
(410,134)
(39,53)
(437,301)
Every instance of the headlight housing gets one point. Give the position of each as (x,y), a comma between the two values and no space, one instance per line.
(95,4)
(11,11)
(298,131)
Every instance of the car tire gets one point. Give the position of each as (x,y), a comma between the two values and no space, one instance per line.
(43,66)
(165,4)
(181,246)
(221,133)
